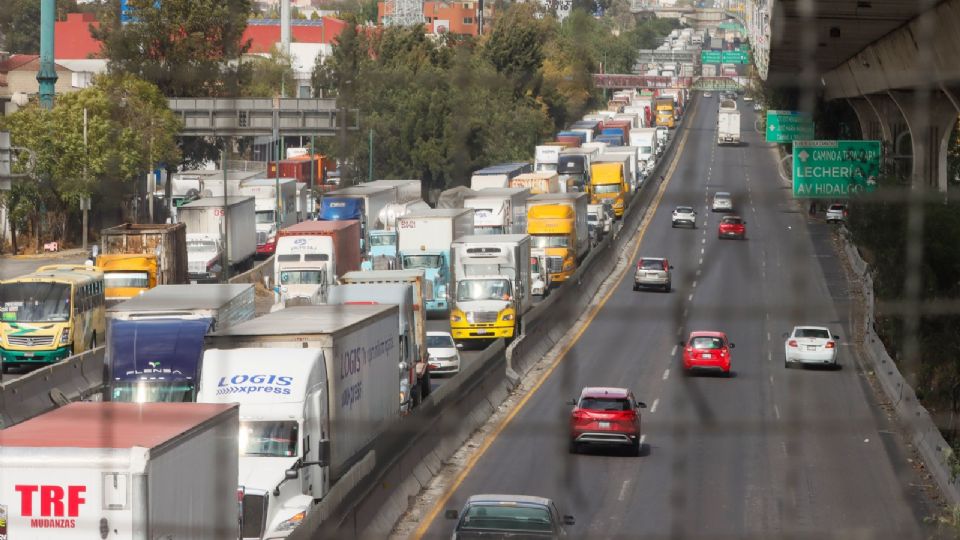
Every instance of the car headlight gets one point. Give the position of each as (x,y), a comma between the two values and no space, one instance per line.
(568,266)
(618,204)
(507,316)
(65,336)
(293,522)
(456,316)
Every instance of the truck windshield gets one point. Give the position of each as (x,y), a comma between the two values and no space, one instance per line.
(421,261)
(265,217)
(201,245)
(506,518)
(383,240)
(34,302)
(547,241)
(139,280)
(269,438)
(152,392)
(301,277)
(483,289)
(606,188)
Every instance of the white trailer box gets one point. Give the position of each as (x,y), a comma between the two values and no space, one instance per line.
(646,142)
(537,182)
(499,211)
(206,217)
(316,386)
(124,471)
(728,126)
(267,203)
(633,153)
(545,157)
(406,190)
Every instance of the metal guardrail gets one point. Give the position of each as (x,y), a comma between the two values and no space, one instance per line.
(47,388)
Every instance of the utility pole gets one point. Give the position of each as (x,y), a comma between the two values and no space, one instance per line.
(85,204)
(313,165)
(225,257)
(370,164)
(47,76)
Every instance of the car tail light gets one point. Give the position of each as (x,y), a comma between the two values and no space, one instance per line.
(830,345)
(792,343)
(666,265)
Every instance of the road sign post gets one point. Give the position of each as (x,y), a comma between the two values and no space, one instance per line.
(834,169)
(789,126)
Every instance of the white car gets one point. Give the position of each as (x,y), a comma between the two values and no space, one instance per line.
(722,202)
(684,215)
(444,358)
(707,94)
(837,213)
(810,345)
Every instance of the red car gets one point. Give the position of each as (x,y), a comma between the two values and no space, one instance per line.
(605,417)
(732,227)
(708,351)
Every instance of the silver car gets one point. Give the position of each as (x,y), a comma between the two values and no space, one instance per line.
(722,202)
(837,213)
(652,272)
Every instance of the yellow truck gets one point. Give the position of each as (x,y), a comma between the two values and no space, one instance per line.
(608,184)
(665,113)
(138,257)
(557,225)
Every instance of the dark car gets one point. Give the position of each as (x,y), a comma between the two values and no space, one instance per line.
(517,517)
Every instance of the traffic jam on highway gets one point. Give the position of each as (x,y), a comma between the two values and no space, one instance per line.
(341,344)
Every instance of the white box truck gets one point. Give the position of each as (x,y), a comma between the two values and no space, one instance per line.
(273,212)
(647,143)
(498,176)
(316,386)
(124,471)
(728,126)
(424,242)
(499,210)
(633,153)
(204,219)
(493,286)
(406,190)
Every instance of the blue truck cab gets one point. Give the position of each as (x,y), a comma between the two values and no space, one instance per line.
(382,252)
(155,359)
(345,209)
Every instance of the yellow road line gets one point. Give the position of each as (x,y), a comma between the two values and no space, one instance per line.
(432,515)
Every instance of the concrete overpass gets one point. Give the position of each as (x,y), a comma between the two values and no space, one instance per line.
(894,61)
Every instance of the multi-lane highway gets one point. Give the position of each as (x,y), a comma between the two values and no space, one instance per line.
(766,453)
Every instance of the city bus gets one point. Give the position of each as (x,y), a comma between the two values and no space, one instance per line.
(55,312)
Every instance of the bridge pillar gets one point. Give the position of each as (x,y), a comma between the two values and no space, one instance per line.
(930,116)
(893,132)
(871,125)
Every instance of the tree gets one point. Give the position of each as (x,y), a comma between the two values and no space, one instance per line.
(20,24)
(185,47)
(129,129)
(268,76)
(515,46)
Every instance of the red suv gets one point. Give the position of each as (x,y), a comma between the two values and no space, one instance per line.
(709,351)
(606,417)
(732,227)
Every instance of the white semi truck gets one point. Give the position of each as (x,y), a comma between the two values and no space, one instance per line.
(205,220)
(499,210)
(316,385)
(124,471)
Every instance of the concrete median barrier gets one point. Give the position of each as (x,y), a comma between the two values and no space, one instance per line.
(919,425)
(47,388)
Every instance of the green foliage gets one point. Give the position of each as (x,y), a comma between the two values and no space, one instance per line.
(129,129)
(182,46)
(442,107)
(20,24)
(268,76)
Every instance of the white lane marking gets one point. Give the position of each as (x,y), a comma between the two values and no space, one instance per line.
(666,374)
(771,379)
(689,298)
(701,262)
(776,411)
(769,356)
(768,336)
(653,408)
(704,241)
(673,351)
(623,490)
(685,312)
(643,438)
(701,250)
(694,283)
(679,330)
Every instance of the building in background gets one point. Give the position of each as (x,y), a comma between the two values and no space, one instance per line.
(458,18)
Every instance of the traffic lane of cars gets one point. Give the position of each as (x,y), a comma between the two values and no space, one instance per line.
(627,344)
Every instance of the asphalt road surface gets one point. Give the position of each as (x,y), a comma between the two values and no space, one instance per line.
(766,453)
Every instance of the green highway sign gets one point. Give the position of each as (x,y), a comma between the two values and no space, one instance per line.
(735,57)
(745,47)
(834,169)
(789,126)
(710,57)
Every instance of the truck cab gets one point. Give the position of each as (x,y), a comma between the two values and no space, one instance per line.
(382,254)
(204,257)
(553,236)
(607,183)
(126,275)
(283,420)
(492,290)
(302,266)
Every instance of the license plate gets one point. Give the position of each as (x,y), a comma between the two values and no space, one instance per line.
(651,274)
(811,347)
(604,425)
(708,355)
(482,332)
(28,354)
